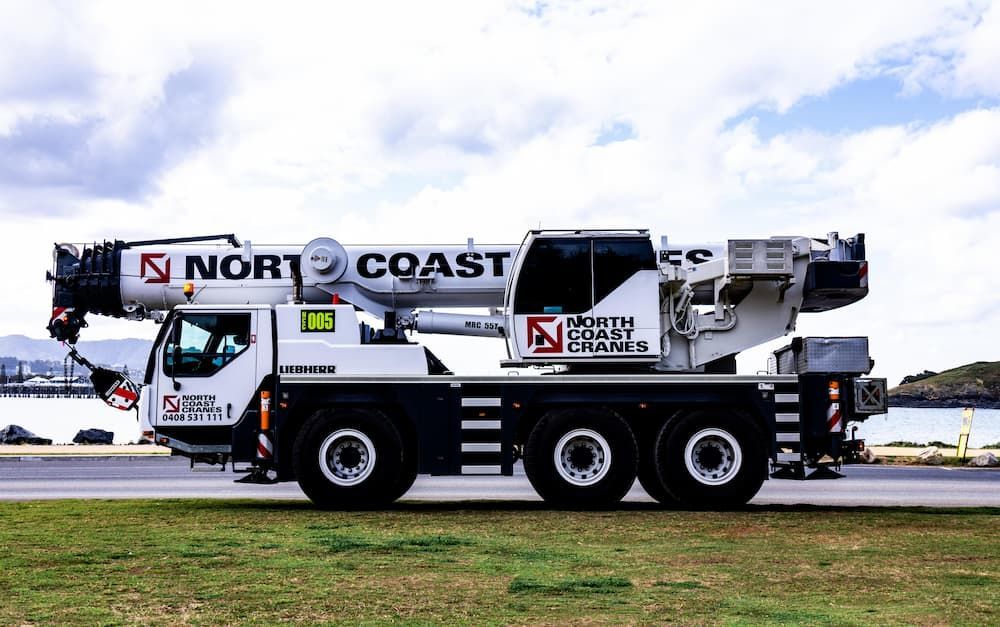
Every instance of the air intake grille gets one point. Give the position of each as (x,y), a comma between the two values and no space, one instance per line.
(760,257)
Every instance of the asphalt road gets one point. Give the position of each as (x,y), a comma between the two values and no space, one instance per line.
(166,477)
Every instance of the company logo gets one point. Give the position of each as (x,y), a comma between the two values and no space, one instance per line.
(154,267)
(465,265)
(545,334)
(296,369)
(583,335)
(236,267)
(171,404)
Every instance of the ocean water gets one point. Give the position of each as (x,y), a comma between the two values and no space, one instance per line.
(922,425)
(60,419)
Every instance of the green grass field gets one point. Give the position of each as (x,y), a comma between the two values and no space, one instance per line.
(216,562)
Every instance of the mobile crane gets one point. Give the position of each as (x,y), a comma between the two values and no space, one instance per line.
(262,360)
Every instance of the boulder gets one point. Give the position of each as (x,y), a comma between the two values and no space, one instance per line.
(868,456)
(931,455)
(14,434)
(986,460)
(93,436)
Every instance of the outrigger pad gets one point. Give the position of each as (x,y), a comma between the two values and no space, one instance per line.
(824,472)
(115,388)
(796,472)
(257,475)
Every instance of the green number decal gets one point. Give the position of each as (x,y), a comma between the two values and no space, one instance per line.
(317,321)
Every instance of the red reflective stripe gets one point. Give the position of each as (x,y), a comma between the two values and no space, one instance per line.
(264,447)
(126,393)
(833,418)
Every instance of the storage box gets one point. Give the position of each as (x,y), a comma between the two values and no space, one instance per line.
(823,354)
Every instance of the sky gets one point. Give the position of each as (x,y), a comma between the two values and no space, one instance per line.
(432,122)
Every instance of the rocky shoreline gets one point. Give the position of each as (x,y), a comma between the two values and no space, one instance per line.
(943,403)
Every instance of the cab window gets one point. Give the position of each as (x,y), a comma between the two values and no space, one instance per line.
(616,260)
(571,275)
(208,342)
(555,278)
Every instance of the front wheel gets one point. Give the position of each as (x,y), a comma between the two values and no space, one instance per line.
(713,459)
(349,458)
(582,458)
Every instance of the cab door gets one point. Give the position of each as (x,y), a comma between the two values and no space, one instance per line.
(627,297)
(207,373)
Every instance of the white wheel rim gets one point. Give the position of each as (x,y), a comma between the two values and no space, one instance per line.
(713,456)
(582,457)
(347,457)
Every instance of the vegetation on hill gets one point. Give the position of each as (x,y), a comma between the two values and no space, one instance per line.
(913,378)
(972,385)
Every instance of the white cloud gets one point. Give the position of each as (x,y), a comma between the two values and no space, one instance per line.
(393,122)
(929,200)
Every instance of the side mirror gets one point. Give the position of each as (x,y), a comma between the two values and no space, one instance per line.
(175,340)
(176,364)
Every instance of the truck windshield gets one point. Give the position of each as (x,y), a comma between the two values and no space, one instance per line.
(207,343)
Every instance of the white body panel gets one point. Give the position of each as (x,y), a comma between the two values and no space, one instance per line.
(625,324)
(338,352)
(298,357)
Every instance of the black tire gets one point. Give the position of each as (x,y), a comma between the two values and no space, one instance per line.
(349,459)
(601,444)
(407,473)
(711,459)
(649,477)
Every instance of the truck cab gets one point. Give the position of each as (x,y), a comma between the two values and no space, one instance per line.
(210,362)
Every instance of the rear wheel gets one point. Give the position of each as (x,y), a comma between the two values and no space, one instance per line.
(583,458)
(349,458)
(711,458)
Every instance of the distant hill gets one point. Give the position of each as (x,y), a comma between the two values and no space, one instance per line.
(129,352)
(973,385)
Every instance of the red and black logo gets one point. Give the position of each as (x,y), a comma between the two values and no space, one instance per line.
(545,334)
(171,404)
(153,269)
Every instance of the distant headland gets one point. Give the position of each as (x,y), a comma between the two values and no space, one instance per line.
(972,385)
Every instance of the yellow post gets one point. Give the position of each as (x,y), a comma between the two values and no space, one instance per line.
(963,435)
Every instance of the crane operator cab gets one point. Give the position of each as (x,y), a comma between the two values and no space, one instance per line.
(584,296)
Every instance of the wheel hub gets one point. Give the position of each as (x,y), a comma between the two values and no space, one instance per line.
(347,457)
(713,456)
(582,457)
(710,456)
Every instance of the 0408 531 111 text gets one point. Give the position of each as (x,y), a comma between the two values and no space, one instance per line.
(190,408)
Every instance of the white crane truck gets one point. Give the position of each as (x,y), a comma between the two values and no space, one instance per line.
(262,360)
